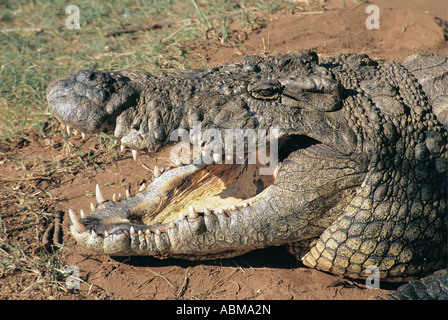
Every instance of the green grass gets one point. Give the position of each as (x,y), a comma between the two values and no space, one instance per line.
(29,59)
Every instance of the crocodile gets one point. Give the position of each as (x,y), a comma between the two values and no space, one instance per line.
(356,175)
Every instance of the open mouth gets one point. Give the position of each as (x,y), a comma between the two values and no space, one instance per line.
(199,189)
(189,190)
(219,187)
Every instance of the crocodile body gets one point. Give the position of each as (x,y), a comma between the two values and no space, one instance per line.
(361,178)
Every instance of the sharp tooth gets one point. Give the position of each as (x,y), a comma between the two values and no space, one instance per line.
(132,231)
(192,214)
(245,204)
(122,147)
(142,187)
(277,169)
(94,235)
(83,135)
(73,216)
(182,216)
(172,225)
(217,158)
(99,196)
(75,132)
(135,154)
(139,232)
(220,211)
(82,214)
(119,196)
(114,197)
(68,130)
(106,234)
(115,141)
(147,232)
(232,207)
(76,222)
(158,232)
(128,194)
(177,162)
(92,206)
(207,212)
(157,172)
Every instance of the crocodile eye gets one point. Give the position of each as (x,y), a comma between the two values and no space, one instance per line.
(265,90)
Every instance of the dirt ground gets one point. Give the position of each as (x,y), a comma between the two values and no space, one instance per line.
(406,27)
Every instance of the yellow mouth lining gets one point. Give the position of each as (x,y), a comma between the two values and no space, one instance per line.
(212,187)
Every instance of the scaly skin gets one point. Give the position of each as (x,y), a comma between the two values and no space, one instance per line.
(364,181)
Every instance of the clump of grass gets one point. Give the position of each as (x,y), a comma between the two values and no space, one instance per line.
(25,211)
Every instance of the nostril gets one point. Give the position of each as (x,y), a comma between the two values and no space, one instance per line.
(92,76)
(135,127)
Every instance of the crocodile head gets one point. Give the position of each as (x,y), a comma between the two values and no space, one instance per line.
(354,175)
